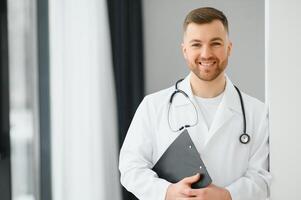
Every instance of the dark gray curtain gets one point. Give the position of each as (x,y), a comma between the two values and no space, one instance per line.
(127,49)
(5,169)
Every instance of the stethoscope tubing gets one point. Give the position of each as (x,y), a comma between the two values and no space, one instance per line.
(244,137)
(242,108)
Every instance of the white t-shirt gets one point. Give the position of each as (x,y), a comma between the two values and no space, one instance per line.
(208,107)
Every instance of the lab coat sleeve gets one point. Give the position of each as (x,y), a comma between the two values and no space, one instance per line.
(255,184)
(135,161)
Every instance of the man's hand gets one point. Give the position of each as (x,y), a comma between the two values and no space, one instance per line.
(177,191)
(212,192)
(183,191)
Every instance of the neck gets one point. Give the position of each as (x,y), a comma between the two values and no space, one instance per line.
(207,89)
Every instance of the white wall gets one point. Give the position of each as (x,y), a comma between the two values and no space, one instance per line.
(284,96)
(164,63)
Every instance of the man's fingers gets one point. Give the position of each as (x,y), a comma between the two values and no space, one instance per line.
(195,192)
(189,192)
(191,179)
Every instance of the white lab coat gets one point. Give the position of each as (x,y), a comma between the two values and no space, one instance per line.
(241,168)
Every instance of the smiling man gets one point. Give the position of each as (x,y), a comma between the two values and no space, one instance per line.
(231,133)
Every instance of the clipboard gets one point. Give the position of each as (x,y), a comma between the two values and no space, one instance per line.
(181,160)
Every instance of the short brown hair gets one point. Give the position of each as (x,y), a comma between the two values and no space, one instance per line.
(205,15)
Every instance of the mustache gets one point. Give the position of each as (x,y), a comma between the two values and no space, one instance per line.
(207,59)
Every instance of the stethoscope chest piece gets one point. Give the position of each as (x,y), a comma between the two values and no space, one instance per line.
(244,138)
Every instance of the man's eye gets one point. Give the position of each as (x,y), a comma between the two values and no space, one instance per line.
(216,44)
(196,45)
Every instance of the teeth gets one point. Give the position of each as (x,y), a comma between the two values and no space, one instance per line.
(207,64)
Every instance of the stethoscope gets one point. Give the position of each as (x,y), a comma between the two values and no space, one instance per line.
(244,138)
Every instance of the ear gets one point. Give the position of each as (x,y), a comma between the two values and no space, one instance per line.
(184,50)
(229,48)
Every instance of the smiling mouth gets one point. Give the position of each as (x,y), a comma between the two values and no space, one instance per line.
(207,64)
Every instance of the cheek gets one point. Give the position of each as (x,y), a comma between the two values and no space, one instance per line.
(222,54)
(192,55)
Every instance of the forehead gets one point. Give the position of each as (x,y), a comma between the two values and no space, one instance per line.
(206,31)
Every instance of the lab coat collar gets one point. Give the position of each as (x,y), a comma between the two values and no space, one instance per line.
(184,85)
(230,97)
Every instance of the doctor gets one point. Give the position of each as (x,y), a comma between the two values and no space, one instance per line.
(239,169)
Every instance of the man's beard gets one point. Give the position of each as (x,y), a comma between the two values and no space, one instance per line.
(213,75)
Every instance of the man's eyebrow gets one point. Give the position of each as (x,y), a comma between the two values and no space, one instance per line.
(217,38)
(194,40)
(213,39)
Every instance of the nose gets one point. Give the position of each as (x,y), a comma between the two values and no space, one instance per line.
(206,52)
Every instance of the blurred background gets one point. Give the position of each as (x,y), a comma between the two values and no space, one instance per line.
(73,73)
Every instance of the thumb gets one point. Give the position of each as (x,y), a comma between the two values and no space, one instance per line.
(191,179)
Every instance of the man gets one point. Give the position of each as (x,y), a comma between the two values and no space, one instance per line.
(239,169)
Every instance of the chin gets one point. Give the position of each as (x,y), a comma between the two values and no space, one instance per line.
(207,76)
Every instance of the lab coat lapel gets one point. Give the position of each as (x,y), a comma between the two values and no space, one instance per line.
(222,116)
(184,85)
(229,105)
